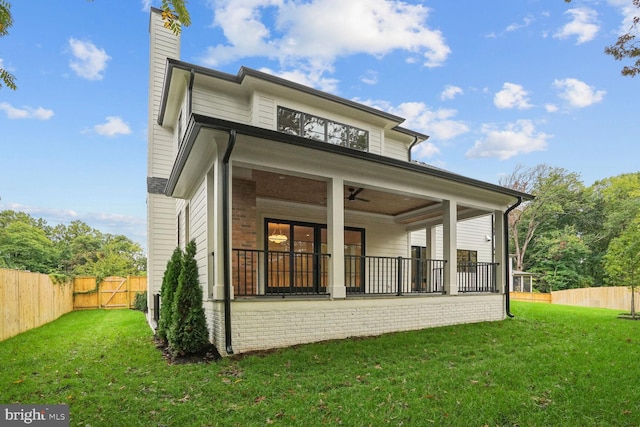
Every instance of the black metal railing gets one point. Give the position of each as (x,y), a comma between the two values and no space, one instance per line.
(376,275)
(477,277)
(261,272)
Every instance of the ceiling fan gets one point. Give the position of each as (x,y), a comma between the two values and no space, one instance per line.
(353,195)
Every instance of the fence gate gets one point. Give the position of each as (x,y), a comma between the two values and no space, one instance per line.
(112,293)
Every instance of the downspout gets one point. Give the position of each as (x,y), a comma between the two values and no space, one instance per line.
(192,76)
(507,282)
(226,244)
(413,144)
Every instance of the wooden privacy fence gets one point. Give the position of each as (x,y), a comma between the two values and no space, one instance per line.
(530,297)
(112,293)
(29,300)
(615,297)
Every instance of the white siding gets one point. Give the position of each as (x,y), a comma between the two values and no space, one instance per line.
(395,149)
(264,111)
(198,229)
(161,240)
(160,148)
(220,105)
(161,229)
(472,235)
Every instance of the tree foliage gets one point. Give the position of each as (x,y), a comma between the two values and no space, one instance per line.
(622,260)
(188,333)
(29,243)
(167,292)
(626,47)
(569,232)
(557,201)
(6,21)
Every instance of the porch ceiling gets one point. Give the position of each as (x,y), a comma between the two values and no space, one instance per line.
(405,209)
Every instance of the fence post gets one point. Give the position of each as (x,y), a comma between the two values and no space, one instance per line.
(399,270)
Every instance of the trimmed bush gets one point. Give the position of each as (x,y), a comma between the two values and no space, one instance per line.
(140,301)
(167,292)
(188,333)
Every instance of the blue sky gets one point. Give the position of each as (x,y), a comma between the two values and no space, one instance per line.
(495,84)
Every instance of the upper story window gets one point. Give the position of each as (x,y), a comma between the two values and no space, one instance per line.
(314,127)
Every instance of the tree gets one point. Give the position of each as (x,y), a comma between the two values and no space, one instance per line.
(609,206)
(6,21)
(622,260)
(24,246)
(626,47)
(167,292)
(174,14)
(188,333)
(117,256)
(559,259)
(558,200)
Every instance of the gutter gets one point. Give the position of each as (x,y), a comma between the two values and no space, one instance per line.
(226,244)
(413,144)
(507,301)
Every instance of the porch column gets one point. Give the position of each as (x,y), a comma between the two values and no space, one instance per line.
(503,264)
(431,241)
(215,235)
(335,237)
(450,246)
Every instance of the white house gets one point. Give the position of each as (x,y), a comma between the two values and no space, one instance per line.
(310,219)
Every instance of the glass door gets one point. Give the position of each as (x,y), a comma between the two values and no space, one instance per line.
(297,260)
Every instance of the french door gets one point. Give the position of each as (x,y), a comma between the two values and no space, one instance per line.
(296,256)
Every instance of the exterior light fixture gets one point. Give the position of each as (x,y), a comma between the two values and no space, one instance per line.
(277,236)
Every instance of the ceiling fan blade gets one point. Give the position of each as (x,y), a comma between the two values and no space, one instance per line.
(362,200)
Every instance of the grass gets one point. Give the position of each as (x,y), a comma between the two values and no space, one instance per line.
(549,366)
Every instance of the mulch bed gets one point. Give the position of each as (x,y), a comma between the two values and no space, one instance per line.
(207,355)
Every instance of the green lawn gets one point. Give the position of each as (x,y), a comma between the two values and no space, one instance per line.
(549,366)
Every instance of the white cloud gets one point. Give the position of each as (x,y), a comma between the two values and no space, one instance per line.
(89,61)
(113,126)
(370,77)
(578,94)
(424,150)
(312,32)
(551,108)
(312,76)
(450,92)
(439,124)
(512,96)
(528,20)
(628,12)
(25,112)
(583,25)
(146,5)
(516,138)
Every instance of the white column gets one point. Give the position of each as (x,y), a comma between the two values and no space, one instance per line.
(503,262)
(335,237)
(216,231)
(450,246)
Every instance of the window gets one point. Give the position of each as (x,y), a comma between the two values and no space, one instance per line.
(317,128)
(467,260)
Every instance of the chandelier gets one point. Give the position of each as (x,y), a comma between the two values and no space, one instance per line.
(277,236)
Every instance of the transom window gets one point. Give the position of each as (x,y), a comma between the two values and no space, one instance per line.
(313,127)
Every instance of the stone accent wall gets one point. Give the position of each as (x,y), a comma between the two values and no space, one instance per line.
(260,325)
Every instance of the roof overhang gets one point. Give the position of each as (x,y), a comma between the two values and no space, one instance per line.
(204,135)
